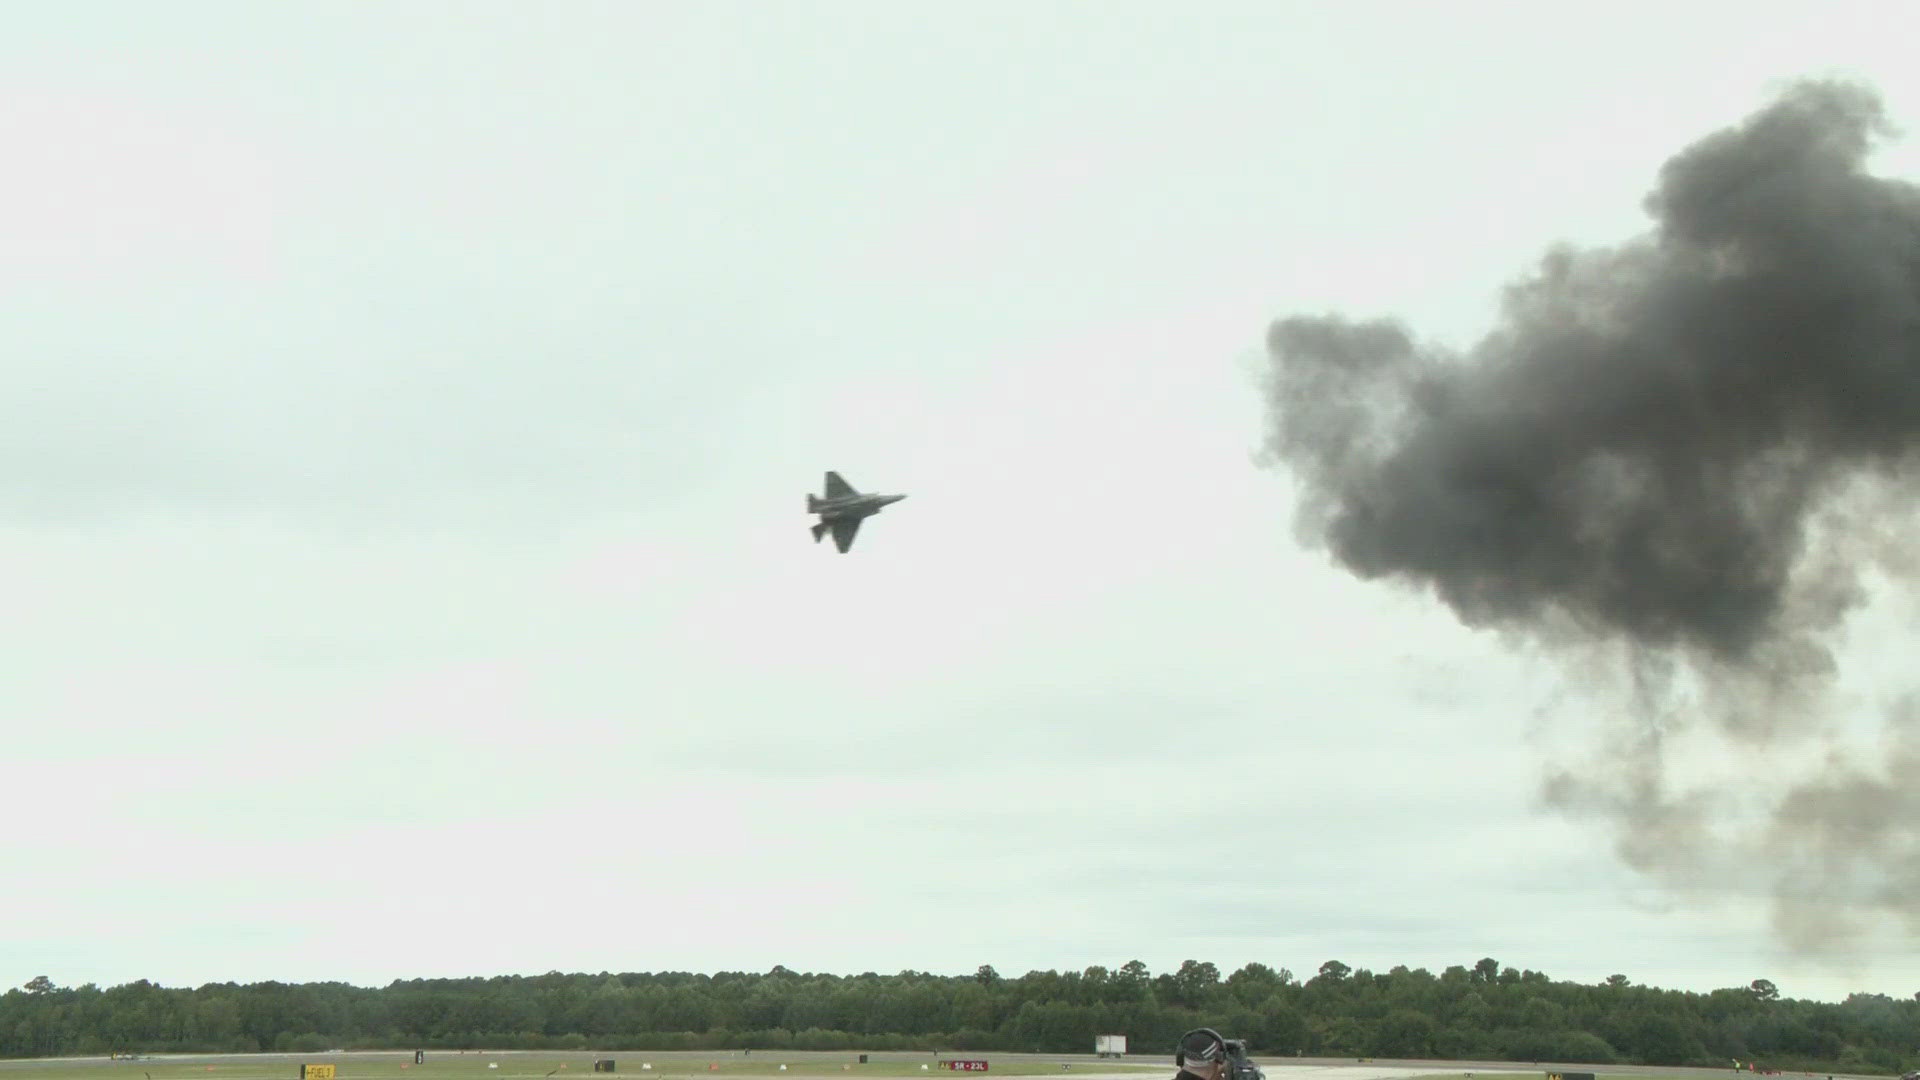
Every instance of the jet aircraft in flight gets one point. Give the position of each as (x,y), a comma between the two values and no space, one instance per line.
(842,509)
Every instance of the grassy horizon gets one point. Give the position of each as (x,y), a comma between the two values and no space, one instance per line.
(565,1065)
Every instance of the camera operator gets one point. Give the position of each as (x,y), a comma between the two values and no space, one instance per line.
(1202,1055)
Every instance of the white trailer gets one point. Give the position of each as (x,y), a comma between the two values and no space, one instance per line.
(1110,1045)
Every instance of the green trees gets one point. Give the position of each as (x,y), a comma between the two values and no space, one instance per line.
(1404,1033)
(1482,1010)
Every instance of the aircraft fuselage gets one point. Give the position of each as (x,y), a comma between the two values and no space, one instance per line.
(865,505)
(842,508)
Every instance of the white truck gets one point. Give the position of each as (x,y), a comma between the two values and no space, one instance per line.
(1110,1045)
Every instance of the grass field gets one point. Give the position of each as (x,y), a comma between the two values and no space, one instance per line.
(564,1065)
(734,1065)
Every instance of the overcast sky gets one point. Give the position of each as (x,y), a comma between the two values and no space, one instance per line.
(410,409)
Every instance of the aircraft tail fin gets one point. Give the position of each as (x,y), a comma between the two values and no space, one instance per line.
(813,503)
(819,530)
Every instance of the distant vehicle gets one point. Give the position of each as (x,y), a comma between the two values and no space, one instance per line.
(1239,1065)
(842,509)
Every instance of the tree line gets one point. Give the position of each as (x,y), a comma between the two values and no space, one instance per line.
(1480,1012)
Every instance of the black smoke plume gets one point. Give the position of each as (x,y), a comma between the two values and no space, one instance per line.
(1681,456)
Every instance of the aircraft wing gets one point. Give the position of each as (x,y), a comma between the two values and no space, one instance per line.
(843,531)
(838,488)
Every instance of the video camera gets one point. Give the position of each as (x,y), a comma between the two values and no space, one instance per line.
(1239,1065)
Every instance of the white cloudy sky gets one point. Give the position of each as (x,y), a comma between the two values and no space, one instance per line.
(409,409)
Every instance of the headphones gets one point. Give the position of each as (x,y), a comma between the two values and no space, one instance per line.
(1201,1044)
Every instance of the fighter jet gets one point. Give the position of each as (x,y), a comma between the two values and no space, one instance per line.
(842,509)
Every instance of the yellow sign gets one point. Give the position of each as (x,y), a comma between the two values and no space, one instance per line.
(316,1072)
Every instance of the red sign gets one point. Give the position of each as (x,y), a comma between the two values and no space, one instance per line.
(966,1066)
